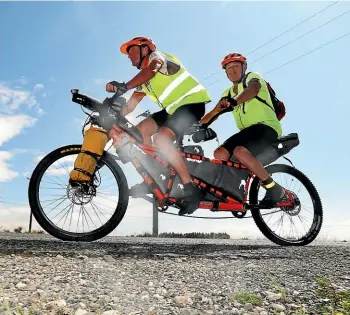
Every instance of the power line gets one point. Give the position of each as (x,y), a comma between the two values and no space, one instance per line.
(324,9)
(303,55)
(271,52)
(332,41)
(278,36)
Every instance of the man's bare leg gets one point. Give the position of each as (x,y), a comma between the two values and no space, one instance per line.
(164,141)
(192,193)
(274,191)
(148,128)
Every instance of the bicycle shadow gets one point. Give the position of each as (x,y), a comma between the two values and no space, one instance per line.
(148,248)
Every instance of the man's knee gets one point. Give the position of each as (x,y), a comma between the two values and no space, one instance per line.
(147,127)
(239,152)
(221,154)
(165,137)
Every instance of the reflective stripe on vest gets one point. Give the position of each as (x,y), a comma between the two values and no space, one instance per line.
(196,89)
(174,90)
(172,86)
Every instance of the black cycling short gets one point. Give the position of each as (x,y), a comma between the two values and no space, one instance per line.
(183,118)
(254,138)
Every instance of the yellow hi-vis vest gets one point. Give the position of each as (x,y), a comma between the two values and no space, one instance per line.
(254,111)
(176,89)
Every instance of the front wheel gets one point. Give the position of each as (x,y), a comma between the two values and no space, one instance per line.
(79,213)
(301,232)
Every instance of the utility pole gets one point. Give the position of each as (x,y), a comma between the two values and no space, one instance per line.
(155,218)
(30,217)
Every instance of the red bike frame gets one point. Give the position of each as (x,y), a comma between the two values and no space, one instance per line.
(163,198)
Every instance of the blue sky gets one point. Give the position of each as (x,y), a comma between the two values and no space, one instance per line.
(50,47)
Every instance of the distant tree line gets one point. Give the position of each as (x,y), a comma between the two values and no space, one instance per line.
(201,235)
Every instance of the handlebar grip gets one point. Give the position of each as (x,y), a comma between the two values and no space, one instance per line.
(204,135)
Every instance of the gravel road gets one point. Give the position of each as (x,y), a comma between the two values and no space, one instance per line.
(130,276)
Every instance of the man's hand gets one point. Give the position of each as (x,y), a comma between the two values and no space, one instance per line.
(111,88)
(224,105)
(227,103)
(115,86)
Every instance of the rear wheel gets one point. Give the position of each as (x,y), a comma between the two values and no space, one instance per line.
(311,210)
(71,206)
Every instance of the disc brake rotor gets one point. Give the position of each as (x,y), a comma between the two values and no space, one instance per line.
(296,208)
(82,194)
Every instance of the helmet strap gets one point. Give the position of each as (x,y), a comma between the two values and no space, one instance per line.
(142,57)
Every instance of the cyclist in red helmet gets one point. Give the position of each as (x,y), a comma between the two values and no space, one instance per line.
(257,122)
(182,100)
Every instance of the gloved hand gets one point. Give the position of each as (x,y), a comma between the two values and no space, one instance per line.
(115,87)
(227,103)
(112,104)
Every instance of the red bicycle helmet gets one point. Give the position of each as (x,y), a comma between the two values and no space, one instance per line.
(233,57)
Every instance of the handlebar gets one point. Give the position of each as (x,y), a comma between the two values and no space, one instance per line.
(109,112)
(111,107)
(116,102)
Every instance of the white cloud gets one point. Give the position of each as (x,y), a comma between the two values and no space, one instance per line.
(15,216)
(19,151)
(6,174)
(11,126)
(11,100)
(27,174)
(39,86)
(39,157)
(43,95)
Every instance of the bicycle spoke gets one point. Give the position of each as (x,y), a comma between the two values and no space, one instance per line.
(74,208)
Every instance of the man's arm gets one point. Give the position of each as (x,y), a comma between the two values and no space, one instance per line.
(249,92)
(224,105)
(131,104)
(145,74)
(142,77)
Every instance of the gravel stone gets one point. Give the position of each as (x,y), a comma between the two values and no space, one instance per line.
(278,307)
(135,276)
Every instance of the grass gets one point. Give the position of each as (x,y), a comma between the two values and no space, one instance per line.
(20,229)
(5,306)
(280,289)
(335,301)
(338,300)
(246,297)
